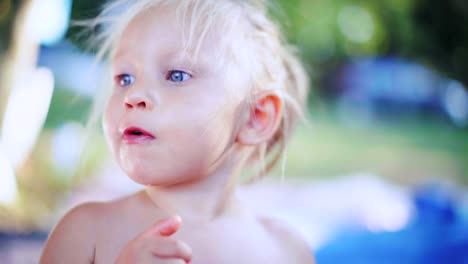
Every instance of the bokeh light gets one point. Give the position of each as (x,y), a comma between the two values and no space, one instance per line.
(356,24)
(48,20)
(25,114)
(456,103)
(8,188)
(67,144)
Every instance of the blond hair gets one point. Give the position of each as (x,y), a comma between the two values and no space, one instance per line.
(272,64)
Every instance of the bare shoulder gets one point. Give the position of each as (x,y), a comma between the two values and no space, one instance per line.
(289,239)
(73,239)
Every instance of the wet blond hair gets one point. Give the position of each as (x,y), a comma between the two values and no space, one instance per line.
(272,64)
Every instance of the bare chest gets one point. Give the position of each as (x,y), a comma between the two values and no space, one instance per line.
(213,244)
(234,246)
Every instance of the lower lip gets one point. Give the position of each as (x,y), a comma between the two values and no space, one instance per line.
(136,139)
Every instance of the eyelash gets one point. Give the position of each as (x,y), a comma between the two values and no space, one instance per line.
(120,79)
(124,80)
(185,76)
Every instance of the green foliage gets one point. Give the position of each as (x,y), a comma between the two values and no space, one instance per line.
(83,10)
(431,32)
(441,38)
(8,9)
(67,106)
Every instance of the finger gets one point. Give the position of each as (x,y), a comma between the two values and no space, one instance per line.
(171,248)
(164,227)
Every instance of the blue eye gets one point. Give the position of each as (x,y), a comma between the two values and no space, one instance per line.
(177,76)
(124,79)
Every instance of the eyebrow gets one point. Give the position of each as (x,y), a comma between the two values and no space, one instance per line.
(171,55)
(187,57)
(187,54)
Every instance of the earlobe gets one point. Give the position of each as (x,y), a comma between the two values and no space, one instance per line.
(263,120)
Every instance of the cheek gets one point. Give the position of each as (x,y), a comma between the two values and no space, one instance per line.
(110,123)
(209,129)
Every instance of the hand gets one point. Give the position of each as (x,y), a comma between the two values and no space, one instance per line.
(155,245)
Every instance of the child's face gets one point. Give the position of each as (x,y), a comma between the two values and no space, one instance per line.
(183,104)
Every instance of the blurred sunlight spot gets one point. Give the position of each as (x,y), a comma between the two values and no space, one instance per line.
(356,24)
(394,216)
(456,103)
(48,20)
(25,114)
(8,189)
(378,206)
(67,143)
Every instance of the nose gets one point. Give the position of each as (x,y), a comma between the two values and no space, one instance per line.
(138,98)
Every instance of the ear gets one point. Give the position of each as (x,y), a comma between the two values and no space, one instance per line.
(263,119)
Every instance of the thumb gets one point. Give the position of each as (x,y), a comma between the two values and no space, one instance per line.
(164,227)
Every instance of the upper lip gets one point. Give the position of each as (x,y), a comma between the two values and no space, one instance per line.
(133,130)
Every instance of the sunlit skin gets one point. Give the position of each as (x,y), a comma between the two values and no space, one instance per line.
(170,125)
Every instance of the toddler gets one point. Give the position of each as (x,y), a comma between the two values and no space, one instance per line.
(202,90)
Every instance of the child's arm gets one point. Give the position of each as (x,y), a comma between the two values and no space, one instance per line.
(73,238)
(293,243)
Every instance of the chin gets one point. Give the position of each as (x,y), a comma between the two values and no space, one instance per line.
(151,179)
(142,177)
(151,173)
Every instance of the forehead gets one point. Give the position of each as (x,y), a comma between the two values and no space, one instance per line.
(160,30)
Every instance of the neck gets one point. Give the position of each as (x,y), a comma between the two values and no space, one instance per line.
(205,199)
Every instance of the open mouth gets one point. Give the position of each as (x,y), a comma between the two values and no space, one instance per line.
(136,135)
